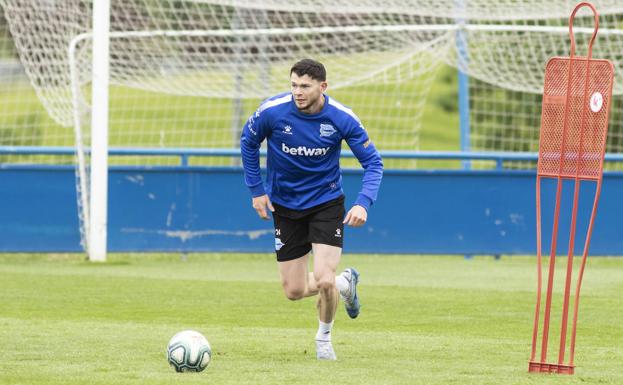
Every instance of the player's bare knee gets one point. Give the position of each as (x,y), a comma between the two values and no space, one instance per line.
(293,293)
(326,282)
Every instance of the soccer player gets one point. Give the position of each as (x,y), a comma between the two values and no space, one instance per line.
(304,130)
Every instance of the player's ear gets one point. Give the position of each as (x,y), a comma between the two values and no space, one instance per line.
(323,86)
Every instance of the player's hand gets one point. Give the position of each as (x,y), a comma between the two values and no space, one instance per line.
(260,204)
(356,216)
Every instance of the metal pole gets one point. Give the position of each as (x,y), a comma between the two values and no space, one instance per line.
(463,77)
(99,131)
(237,107)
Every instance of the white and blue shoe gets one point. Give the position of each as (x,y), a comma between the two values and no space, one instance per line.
(351,300)
(324,351)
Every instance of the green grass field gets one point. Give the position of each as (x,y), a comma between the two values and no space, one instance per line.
(425,320)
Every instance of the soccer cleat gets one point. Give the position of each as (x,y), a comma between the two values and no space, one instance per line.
(351,300)
(324,351)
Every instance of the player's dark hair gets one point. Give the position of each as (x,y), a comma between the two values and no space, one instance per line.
(311,68)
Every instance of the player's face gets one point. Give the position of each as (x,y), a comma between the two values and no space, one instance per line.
(307,93)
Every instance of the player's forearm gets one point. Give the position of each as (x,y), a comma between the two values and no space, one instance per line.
(372,176)
(251,165)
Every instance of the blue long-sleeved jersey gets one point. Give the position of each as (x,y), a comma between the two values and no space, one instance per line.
(304,151)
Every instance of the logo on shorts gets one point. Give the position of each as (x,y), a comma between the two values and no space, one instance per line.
(338,233)
(278,244)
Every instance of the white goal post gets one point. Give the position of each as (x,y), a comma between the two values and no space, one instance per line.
(92,179)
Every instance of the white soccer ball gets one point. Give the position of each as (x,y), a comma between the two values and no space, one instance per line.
(189,351)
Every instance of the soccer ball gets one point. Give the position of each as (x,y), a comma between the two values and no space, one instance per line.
(189,351)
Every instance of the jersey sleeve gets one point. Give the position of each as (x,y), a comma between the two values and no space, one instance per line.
(370,159)
(253,133)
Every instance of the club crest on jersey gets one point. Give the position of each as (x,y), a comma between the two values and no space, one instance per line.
(326,130)
(287,130)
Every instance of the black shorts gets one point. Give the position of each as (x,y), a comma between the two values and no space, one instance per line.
(296,230)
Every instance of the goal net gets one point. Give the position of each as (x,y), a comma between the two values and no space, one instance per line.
(187,73)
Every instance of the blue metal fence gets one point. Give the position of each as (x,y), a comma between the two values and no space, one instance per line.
(189,208)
